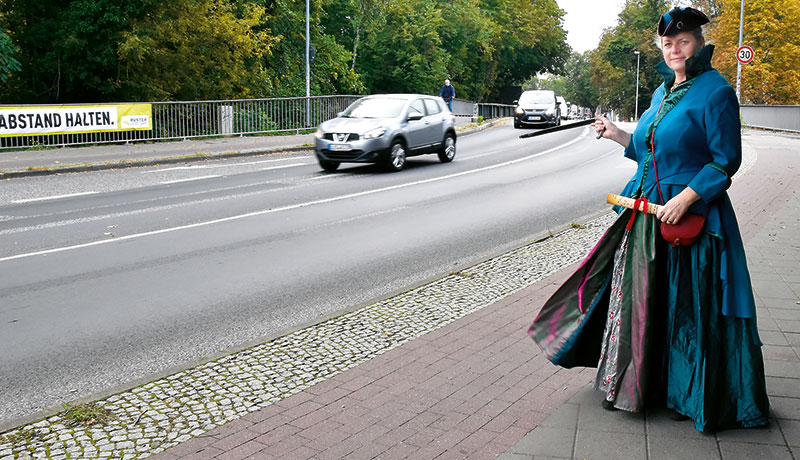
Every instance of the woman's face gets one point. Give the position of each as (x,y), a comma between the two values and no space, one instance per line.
(678,48)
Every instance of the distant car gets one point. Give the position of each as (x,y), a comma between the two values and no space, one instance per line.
(539,107)
(386,129)
(563,107)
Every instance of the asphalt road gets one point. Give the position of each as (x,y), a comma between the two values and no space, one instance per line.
(111,277)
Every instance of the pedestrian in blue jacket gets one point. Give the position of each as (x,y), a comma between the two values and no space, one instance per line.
(448,93)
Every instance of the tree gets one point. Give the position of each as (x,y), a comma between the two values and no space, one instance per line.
(613,63)
(533,40)
(770,28)
(331,70)
(8,63)
(194,49)
(575,85)
(67,48)
(470,39)
(402,50)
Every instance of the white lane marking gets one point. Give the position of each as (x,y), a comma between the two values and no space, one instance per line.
(189,179)
(116,215)
(288,207)
(228,165)
(600,157)
(54,197)
(352,219)
(62,223)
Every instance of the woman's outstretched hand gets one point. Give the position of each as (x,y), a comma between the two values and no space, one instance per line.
(607,129)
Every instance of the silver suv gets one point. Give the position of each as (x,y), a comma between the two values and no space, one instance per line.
(385,129)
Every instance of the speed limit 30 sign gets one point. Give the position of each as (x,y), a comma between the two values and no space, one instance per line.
(744,54)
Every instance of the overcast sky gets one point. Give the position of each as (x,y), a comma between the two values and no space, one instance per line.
(586,19)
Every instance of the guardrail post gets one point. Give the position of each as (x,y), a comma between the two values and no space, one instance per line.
(226,119)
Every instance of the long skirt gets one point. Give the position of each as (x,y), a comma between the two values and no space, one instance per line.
(648,316)
(713,366)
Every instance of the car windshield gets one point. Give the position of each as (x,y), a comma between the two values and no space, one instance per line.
(375,108)
(536,98)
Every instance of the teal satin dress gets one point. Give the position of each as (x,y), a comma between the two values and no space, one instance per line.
(690,342)
(713,365)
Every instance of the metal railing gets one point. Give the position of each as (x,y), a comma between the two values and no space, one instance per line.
(193,119)
(489,111)
(237,117)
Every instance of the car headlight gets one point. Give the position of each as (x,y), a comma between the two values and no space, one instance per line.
(519,111)
(551,111)
(319,134)
(374,133)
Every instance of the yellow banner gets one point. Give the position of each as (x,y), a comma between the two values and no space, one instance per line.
(71,119)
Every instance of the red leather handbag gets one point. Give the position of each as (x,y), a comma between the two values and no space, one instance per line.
(685,232)
(688,229)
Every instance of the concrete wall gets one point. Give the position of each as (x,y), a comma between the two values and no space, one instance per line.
(783,117)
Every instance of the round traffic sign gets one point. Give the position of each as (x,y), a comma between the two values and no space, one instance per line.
(745,54)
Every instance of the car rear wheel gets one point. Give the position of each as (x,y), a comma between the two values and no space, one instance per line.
(397,157)
(328,165)
(448,151)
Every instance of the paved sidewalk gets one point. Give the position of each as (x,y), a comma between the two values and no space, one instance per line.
(478,388)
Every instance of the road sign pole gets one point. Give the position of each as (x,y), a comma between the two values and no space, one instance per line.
(738,62)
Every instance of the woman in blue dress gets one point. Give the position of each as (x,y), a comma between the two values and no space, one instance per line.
(688,146)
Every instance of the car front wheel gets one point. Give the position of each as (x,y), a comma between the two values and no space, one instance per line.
(448,151)
(397,157)
(328,165)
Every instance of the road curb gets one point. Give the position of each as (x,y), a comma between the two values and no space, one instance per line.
(75,168)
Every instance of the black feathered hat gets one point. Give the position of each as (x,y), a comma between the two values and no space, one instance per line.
(679,20)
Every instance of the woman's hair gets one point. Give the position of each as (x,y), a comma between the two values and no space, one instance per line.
(698,33)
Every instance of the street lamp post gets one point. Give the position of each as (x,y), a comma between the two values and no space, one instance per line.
(636,110)
(308,67)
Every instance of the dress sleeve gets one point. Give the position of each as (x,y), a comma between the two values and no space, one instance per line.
(724,139)
(630,150)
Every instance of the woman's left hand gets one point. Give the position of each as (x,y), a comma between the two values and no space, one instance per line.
(675,208)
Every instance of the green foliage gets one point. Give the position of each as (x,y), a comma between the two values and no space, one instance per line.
(86,414)
(96,51)
(22,436)
(404,52)
(67,48)
(613,63)
(331,72)
(533,39)
(194,49)
(8,63)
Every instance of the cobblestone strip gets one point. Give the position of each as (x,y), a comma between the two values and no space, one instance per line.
(161,414)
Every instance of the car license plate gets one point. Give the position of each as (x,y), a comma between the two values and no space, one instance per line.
(339,147)
(534,117)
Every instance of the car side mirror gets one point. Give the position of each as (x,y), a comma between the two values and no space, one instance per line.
(414,116)
(558,102)
(515,101)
